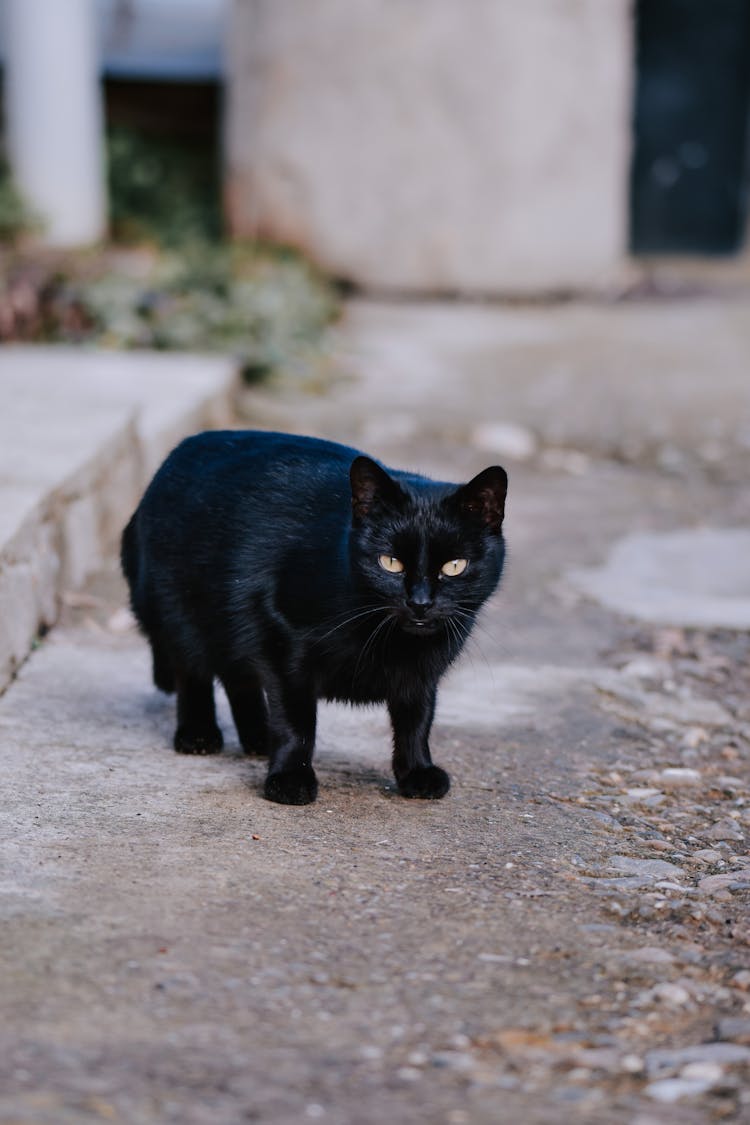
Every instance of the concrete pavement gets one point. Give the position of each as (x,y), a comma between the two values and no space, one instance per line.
(80,434)
(565,935)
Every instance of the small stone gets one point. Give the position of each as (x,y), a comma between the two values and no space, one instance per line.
(734,1028)
(452,1060)
(711,884)
(741,980)
(694,736)
(408,1073)
(505,438)
(595,1058)
(673,1089)
(664,1059)
(651,954)
(724,829)
(672,994)
(121,621)
(646,668)
(632,1064)
(675,777)
(567,460)
(643,796)
(654,868)
(370,1052)
(727,781)
(707,855)
(705,1071)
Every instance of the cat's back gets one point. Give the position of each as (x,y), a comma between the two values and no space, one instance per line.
(255,457)
(250,471)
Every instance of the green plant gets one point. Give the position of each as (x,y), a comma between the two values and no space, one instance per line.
(15,218)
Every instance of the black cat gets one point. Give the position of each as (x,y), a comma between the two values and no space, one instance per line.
(295,570)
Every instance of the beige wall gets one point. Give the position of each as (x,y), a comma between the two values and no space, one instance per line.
(439,145)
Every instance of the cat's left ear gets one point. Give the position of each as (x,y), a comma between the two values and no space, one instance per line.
(372,488)
(484,497)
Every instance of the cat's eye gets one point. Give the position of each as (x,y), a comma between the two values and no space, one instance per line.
(453,568)
(393,566)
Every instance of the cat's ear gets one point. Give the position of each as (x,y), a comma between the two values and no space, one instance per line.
(484,497)
(372,488)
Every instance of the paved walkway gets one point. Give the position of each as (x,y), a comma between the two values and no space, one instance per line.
(566,935)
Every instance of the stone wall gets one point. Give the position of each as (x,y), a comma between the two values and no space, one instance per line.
(435,145)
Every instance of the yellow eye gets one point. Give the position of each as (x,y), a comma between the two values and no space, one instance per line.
(393,566)
(453,568)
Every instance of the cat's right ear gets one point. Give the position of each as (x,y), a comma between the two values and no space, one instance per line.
(372,488)
(484,497)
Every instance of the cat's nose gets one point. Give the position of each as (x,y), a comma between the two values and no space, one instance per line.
(419,599)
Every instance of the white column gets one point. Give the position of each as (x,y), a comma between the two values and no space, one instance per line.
(54,116)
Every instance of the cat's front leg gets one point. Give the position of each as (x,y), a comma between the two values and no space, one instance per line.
(197,731)
(292,710)
(411,718)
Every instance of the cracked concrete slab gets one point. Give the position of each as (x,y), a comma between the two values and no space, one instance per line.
(697,577)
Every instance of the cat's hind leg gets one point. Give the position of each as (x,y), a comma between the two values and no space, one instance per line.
(197,731)
(162,668)
(249,711)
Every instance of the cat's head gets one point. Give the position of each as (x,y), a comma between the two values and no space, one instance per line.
(430,553)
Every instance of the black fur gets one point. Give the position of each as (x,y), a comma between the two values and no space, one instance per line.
(253,558)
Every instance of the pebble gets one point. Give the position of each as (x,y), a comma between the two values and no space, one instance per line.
(672,1089)
(505,438)
(734,1028)
(707,855)
(727,781)
(724,829)
(672,994)
(646,668)
(709,1070)
(654,868)
(711,884)
(651,954)
(567,460)
(652,798)
(408,1073)
(664,1059)
(632,1064)
(674,777)
(453,1060)
(741,980)
(121,621)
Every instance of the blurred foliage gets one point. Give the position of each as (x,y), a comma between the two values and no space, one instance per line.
(15,220)
(265,306)
(166,282)
(162,188)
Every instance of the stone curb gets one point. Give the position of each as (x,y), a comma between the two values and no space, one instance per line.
(80,435)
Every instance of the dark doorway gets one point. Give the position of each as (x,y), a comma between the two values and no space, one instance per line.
(689,173)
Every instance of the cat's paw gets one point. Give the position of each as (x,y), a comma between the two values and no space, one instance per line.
(292,787)
(204,740)
(428,782)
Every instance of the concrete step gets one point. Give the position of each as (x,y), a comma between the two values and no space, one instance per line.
(80,434)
